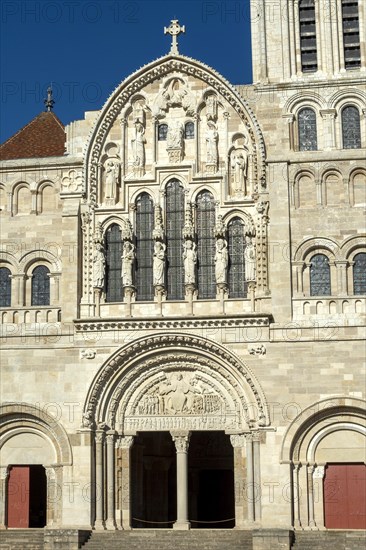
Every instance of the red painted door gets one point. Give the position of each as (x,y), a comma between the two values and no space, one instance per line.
(18,496)
(345,496)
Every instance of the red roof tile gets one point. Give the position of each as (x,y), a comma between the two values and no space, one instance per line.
(44,136)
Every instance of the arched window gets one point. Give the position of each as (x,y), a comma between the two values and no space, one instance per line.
(320,276)
(41,286)
(5,287)
(351,128)
(236,245)
(144,247)
(189,130)
(351,34)
(162,132)
(205,223)
(359,273)
(113,248)
(307,130)
(174,237)
(308,36)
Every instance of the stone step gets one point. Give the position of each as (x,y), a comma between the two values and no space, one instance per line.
(22,539)
(330,540)
(149,539)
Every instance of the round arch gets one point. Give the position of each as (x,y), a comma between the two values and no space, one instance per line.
(166,361)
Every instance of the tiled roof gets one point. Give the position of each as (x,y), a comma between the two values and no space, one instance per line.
(44,136)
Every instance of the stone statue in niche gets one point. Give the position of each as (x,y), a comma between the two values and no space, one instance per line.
(138,112)
(189,262)
(211,107)
(238,169)
(138,146)
(98,266)
(250,263)
(159,263)
(128,257)
(212,138)
(175,134)
(221,261)
(111,178)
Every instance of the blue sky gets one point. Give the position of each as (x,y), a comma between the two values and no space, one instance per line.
(87,47)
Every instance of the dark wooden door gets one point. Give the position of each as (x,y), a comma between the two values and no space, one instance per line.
(345,496)
(18,496)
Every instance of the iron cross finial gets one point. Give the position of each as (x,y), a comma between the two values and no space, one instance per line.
(49,102)
(174,30)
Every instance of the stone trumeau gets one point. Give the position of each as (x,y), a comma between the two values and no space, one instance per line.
(183,303)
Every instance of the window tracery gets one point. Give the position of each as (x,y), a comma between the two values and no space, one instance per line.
(40,286)
(174,238)
(205,223)
(113,248)
(351,128)
(359,273)
(307,130)
(320,276)
(144,247)
(236,272)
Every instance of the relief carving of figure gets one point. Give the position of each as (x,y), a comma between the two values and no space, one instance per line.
(189,261)
(221,261)
(178,389)
(175,135)
(238,165)
(98,266)
(212,138)
(128,257)
(250,264)
(111,179)
(159,263)
(138,145)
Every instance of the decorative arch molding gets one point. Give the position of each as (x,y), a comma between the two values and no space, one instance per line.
(204,187)
(320,418)
(137,81)
(351,244)
(28,418)
(300,100)
(115,392)
(30,257)
(318,244)
(347,97)
(10,260)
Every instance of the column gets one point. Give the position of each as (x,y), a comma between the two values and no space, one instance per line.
(310,471)
(238,442)
(341,267)
(329,116)
(4,473)
(181,440)
(257,476)
(125,443)
(99,479)
(111,521)
(296,494)
(250,477)
(318,493)
(51,495)
(298,278)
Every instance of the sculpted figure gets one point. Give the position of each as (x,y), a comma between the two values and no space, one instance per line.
(189,260)
(212,138)
(221,261)
(175,134)
(158,263)
(128,257)
(111,179)
(98,266)
(139,146)
(249,255)
(238,170)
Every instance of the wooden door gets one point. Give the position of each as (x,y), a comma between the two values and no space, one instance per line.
(345,496)
(18,496)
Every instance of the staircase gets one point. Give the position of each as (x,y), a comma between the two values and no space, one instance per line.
(167,539)
(22,539)
(329,540)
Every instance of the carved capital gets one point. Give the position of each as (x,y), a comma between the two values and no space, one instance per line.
(125,442)
(181,441)
(238,440)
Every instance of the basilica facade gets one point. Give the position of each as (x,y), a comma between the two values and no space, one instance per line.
(183,281)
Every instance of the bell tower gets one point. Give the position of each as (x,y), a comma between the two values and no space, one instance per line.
(311,40)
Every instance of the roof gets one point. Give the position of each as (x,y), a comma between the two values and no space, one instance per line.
(44,136)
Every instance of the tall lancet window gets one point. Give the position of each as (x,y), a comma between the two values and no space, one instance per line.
(144,247)
(359,273)
(236,245)
(351,128)
(308,48)
(351,34)
(308,140)
(205,223)
(174,237)
(5,287)
(319,276)
(113,248)
(41,286)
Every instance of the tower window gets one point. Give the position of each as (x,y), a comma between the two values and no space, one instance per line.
(359,273)
(236,242)
(351,34)
(308,36)
(174,239)
(144,247)
(351,128)
(307,130)
(205,217)
(41,286)
(5,287)
(113,245)
(320,276)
